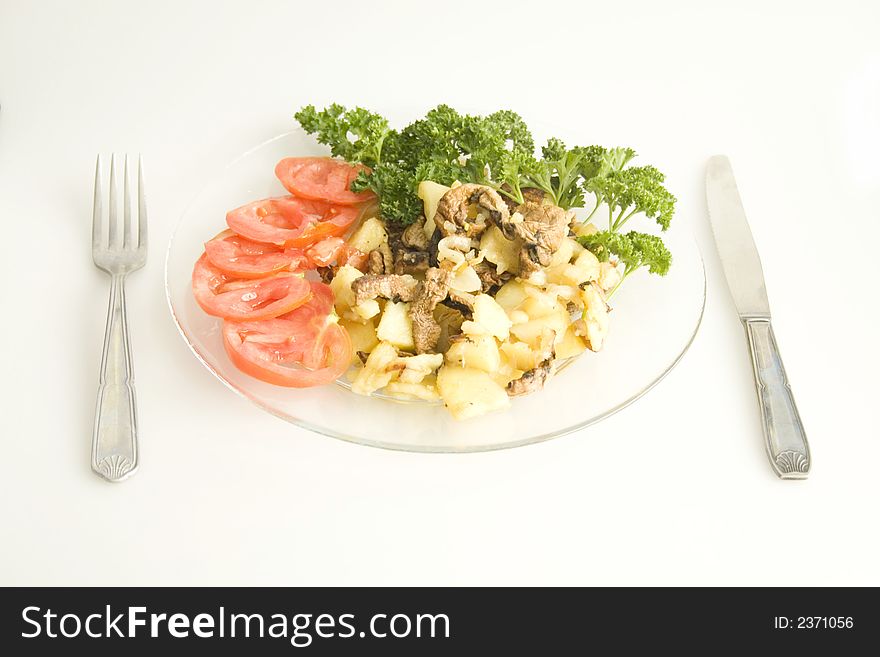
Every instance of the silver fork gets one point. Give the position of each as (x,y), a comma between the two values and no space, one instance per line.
(114,444)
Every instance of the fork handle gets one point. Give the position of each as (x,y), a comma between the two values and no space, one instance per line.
(784,433)
(114,444)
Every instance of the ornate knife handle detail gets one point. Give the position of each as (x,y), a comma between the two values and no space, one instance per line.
(114,444)
(783,431)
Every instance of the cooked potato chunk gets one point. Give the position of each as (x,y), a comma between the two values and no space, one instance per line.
(541,304)
(341,287)
(412,391)
(395,326)
(366,310)
(416,368)
(518,316)
(575,274)
(511,295)
(431,193)
(590,263)
(489,314)
(530,332)
(378,371)
(584,229)
(565,292)
(564,253)
(595,317)
(500,251)
(466,280)
(369,236)
(469,392)
(570,344)
(520,355)
(609,276)
(506,373)
(480,352)
(363,335)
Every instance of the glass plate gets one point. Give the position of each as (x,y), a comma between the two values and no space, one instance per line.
(653,323)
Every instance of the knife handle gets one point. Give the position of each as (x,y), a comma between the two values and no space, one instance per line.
(784,433)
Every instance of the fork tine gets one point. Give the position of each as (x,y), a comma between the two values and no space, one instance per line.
(113,232)
(126,208)
(142,206)
(97,209)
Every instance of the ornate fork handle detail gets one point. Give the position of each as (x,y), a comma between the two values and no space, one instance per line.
(783,431)
(114,445)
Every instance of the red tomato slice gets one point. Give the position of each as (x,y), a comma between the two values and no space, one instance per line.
(326,251)
(246,299)
(288,221)
(354,257)
(243,258)
(300,349)
(322,179)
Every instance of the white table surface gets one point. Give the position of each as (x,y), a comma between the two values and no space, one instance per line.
(674,490)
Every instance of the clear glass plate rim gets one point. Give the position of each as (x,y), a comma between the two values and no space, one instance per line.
(432,449)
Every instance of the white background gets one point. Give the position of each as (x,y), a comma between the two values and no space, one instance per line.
(674,490)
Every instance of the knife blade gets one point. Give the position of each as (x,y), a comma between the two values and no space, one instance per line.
(733,238)
(784,435)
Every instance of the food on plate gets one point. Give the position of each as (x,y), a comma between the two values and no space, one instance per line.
(457,265)
(321,179)
(290,221)
(302,348)
(229,297)
(243,258)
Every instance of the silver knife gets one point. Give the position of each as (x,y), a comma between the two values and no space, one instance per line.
(784,434)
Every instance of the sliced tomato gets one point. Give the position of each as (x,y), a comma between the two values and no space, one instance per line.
(289,221)
(225,296)
(322,179)
(243,258)
(302,348)
(354,257)
(326,251)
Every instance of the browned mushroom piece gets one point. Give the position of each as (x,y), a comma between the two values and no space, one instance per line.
(489,277)
(381,260)
(532,194)
(387,286)
(375,263)
(454,215)
(414,236)
(326,274)
(410,262)
(431,291)
(531,381)
(463,302)
(542,230)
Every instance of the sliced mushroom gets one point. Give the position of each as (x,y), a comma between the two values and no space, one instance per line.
(463,302)
(414,236)
(489,276)
(381,261)
(376,263)
(388,286)
(431,291)
(542,229)
(531,381)
(454,215)
(410,262)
